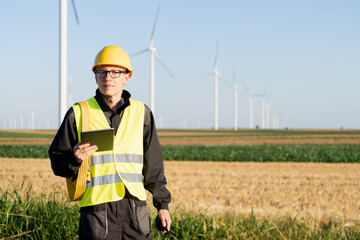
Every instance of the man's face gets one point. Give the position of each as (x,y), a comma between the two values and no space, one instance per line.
(111,83)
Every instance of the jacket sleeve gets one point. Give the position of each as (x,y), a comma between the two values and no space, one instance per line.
(63,162)
(153,171)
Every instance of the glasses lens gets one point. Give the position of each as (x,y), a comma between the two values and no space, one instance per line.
(115,74)
(101,73)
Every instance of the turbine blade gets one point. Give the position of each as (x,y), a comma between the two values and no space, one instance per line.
(161,61)
(76,16)
(202,78)
(227,93)
(139,52)
(216,55)
(224,79)
(234,77)
(246,88)
(259,95)
(154,28)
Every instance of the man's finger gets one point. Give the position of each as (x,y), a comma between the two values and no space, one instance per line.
(84,145)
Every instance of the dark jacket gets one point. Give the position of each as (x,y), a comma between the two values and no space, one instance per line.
(63,162)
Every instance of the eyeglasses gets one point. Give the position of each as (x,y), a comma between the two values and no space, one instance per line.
(113,73)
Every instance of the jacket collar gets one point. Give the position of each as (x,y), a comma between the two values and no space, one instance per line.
(125,98)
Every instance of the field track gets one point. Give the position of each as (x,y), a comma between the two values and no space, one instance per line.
(306,190)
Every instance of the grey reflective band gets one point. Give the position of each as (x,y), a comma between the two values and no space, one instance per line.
(129,158)
(103,180)
(101,159)
(114,178)
(122,158)
(132,177)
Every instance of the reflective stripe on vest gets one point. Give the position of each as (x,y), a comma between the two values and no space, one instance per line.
(112,171)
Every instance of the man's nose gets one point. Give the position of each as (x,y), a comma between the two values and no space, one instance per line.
(108,77)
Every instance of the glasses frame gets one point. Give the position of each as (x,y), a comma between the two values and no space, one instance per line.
(112,73)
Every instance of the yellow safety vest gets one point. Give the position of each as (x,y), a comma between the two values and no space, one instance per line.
(112,171)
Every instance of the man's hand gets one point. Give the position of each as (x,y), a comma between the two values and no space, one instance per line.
(165,219)
(83,151)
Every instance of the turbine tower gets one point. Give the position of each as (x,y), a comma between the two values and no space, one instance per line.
(267,118)
(217,75)
(63,58)
(264,104)
(251,106)
(235,104)
(236,90)
(153,55)
(263,113)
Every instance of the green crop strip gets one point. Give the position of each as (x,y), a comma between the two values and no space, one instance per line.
(345,153)
(24,151)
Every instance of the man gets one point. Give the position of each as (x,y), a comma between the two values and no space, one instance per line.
(114,203)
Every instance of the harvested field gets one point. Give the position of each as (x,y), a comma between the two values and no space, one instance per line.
(306,190)
(209,137)
(25,141)
(31,131)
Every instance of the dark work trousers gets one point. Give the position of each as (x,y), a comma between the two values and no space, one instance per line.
(124,219)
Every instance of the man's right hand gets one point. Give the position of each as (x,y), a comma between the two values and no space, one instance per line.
(83,151)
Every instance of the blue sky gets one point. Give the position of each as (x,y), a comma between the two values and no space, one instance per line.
(305,55)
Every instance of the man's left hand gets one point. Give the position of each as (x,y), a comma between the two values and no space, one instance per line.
(165,219)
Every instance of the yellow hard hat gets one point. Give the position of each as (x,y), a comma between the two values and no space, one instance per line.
(113,55)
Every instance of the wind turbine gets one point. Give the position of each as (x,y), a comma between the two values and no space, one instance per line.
(63,58)
(217,75)
(264,111)
(267,118)
(153,54)
(236,90)
(251,106)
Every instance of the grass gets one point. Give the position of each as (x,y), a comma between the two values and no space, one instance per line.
(43,217)
(51,217)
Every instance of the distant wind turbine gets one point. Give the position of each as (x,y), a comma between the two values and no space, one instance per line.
(267,118)
(263,113)
(217,75)
(251,106)
(153,54)
(63,57)
(236,89)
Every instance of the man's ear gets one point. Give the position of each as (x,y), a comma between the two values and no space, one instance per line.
(126,79)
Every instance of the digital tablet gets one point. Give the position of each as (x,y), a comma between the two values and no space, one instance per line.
(102,138)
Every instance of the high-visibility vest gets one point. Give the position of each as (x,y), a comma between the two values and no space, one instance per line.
(113,171)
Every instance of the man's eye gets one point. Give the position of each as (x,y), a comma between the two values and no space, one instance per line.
(115,72)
